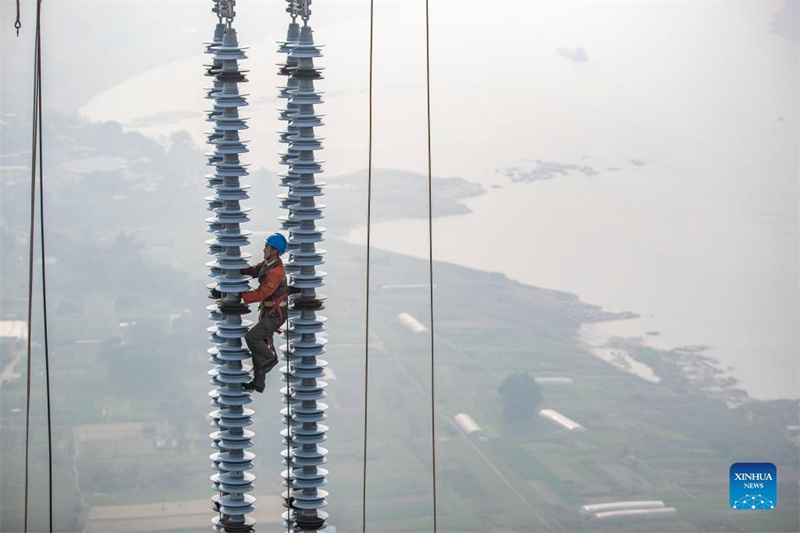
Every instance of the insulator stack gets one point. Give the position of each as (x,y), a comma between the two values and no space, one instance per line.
(303,373)
(230,418)
(214,134)
(292,35)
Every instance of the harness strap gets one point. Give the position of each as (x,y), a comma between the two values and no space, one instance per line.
(276,305)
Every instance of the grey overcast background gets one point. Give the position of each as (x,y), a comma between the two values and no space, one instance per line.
(641,155)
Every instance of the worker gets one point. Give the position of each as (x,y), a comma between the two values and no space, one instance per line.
(271,293)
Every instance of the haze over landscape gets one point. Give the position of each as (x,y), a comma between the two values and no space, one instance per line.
(616,202)
(687,126)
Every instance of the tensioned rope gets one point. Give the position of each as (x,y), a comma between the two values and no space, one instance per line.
(44,274)
(369,229)
(430,265)
(37,156)
(32,227)
(430,255)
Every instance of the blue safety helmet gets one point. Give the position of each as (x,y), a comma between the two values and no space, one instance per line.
(277,241)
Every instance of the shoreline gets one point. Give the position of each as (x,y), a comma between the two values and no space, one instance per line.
(605,264)
(702,371)
(707,373)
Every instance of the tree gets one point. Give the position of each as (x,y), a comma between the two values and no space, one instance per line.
(520,397)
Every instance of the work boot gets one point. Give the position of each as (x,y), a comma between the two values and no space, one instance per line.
(252,386)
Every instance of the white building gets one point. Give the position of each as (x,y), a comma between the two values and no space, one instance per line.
(411,323)
(13,334)
(636,515)
(14,329)
(554,382)
(561,420)
(594,508)
(467,425)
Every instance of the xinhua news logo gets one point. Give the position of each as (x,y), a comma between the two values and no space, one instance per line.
(754,486)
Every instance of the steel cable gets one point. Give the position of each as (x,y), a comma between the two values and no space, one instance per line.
(32,228)
(430,255)
(44,269)
(37,156)
(369,235)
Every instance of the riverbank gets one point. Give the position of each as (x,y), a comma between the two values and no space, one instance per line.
(700,370)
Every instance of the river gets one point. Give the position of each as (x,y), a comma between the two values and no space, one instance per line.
(697,270)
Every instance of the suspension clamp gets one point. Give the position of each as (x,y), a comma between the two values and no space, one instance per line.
(305,9)
(225,10)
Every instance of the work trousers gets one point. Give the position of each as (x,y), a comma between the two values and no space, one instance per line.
(264,358)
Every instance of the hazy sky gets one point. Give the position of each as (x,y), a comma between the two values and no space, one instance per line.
(705,93)
(500,87)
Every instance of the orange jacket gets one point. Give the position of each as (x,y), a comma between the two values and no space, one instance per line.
(269,281)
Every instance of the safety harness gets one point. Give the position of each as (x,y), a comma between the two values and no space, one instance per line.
(268,306)
(274,303)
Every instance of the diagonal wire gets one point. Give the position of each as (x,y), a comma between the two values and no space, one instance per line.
(369,236)
(430,255)
(44,267)
(34,144)
(37,157)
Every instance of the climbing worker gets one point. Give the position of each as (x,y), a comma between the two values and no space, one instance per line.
(271,293)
